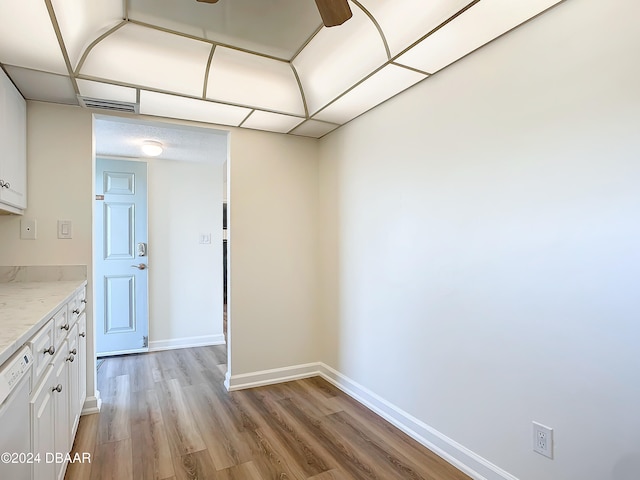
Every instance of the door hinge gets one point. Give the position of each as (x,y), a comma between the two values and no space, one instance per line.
(145,341)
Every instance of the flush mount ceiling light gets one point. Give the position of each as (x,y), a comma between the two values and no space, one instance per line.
(151,148)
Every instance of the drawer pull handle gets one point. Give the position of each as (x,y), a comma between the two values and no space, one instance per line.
(70,358)
(65,327)
(84,300)
(51,350)
(74,351)
(76,311)
(83,334)
(58,388)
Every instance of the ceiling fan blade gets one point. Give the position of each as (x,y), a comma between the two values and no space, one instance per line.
(334,12)
(208,1)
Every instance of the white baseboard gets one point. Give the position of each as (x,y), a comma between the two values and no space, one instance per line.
(271,377)
(186,342)
(461,457)
(92,404)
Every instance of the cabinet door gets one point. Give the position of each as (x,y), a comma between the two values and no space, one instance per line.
(13,145)
(43,425)
(62,428)
(74,381)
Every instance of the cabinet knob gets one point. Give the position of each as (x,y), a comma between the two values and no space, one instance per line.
(74,351)
(76,311)
(4,184)
(65,327)
(51,350)
(70,358)
(57,388)
(83,334)
(84,300)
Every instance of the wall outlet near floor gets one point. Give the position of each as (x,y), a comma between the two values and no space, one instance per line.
(27,229)
(543,439)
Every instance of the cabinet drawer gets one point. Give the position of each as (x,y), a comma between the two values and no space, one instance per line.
(61,325)
(43,346)
(81,299)
(77,305)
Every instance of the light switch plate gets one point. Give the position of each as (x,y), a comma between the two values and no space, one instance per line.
(27,229)
(64,229)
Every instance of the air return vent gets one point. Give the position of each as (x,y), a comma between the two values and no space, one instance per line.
(109,105)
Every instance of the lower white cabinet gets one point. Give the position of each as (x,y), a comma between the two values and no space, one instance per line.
(43,422)
(58,394)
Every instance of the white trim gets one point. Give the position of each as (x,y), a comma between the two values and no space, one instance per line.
(186,342)
(92,405)
(270,377)
(122,352)
(459,456)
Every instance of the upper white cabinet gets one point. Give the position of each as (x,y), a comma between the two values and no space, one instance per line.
(13,147)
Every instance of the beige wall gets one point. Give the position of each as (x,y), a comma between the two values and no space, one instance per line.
(480,239)
(185,277)
(273,250)
(60,179)
(273,210)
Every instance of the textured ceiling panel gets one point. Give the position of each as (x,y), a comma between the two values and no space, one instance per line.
(173,106)
(29,82)
(480,24)
(248,79)
(27,37)
(400,29)
(337,58)
(81,22)
(314,128)
(384,84)
(220,62)
(105,91)
(150,58)
(272,27)
(272,122)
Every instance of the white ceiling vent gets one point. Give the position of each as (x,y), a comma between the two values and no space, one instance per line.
(109,105)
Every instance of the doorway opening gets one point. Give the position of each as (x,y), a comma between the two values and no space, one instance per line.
(182,255)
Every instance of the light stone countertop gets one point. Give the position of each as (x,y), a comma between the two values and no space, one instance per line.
(26,306)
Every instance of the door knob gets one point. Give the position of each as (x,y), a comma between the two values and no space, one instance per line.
(140,266)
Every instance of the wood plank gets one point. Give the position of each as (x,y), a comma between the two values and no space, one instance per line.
(182,430)
(245,471)
(114,461)
(85,442)
(299,451)
(150,446)
(114,418)
(167,416)
(195,466)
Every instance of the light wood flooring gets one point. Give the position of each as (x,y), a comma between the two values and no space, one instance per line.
(167,415)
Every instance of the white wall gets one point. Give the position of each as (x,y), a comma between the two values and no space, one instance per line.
(273,209)
(480,246)
(185,278)
(60,179)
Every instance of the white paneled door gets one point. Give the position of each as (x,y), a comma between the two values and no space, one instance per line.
(121,261)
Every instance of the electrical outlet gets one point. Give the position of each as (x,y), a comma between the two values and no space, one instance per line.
(543,439)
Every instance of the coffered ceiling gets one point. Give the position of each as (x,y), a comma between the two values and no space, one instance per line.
(261,64)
